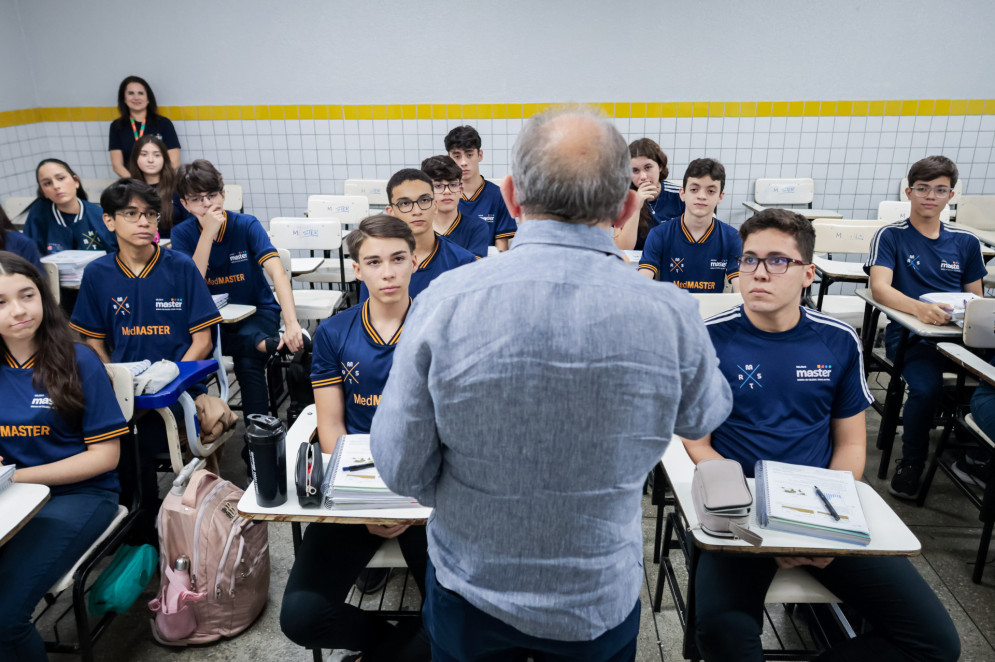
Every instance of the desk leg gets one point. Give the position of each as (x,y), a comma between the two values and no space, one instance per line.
(690,648)
(892,406)
(297,535)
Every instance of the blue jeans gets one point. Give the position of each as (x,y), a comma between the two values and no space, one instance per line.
(908,621)
(923,373)
(39,554)
(462,633)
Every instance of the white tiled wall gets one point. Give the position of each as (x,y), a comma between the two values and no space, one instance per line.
(856,161)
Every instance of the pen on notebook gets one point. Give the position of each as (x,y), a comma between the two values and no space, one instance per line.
(357,467)
(825,500)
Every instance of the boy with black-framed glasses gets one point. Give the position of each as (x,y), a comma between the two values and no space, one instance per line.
(447,180)
(412,199)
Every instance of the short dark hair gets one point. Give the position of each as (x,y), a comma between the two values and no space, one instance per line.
(198,177)
(441,168)
(118,195)
(462,137)
(647,148)
(378,226)
(786,221)
(706,168)
(931,167)
(405,175)
(153,108)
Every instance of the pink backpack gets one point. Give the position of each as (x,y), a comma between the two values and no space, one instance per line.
(227,584)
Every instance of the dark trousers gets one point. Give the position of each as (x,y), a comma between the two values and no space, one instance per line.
(908,622)
(314,612)
(923,372)
(39,554)
(462,633)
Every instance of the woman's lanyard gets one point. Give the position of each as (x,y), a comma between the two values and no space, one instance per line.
(139,132)
(62,221)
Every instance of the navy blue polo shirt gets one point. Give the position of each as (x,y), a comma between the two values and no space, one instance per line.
(446,256)
(54,231)
(235,264)
(470,233)
(697,266)
(349,352)
(668,203)
(15,242)
(122,136)
(786,387)
(149,315)
(487,205)
(32,433)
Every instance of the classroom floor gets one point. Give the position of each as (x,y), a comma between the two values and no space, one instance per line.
(947,526)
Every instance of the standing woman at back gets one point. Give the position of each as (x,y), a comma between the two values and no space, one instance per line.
(61,218)
(139,116)
(150,163)
(659,201)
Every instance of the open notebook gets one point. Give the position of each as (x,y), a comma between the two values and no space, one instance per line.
(363,488)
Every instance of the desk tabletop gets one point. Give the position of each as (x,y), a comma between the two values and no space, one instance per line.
(949,331)
(235,312)
(810,214)
(839,269)
(291,511)
(18,504)
(304,265)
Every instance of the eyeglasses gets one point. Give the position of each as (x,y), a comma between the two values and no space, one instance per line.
(440,187)
(923,191)
(774,264)
(132,215)
(404,206)
(202,198)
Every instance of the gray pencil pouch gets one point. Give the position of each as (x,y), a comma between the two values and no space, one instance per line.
(722,500)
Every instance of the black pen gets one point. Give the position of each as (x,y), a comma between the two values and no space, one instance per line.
(825,500)
(368,465)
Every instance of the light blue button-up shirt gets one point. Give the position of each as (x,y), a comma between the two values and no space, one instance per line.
(531,393)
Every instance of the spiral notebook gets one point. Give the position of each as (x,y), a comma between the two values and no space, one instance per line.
(787,501)
(361,489)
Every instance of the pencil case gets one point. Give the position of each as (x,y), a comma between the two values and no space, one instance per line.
(722,500)
(309,475)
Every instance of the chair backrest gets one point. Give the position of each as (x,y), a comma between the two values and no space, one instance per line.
(954,199)
(309,234)
(796,191)
(977,211)
(16,205)
(348,209)
(52,273)
(713,304)
(374,190)
(286,261)
(979,323)
(95,186)
(124,388)
(897,210)
(847,236)
(233,197)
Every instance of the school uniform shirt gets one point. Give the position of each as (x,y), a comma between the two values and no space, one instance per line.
(235,264)
(668,203)
(349,352)
(487,205)
(786,387)
(446,256)
(920,264)
(33,433)
(673,255)
(470,233)
(54,231)
(17,243)
(149,315)
(122,135)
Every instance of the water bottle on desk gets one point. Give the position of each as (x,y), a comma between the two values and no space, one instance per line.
(267,439)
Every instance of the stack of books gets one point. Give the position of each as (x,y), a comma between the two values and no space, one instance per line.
(6,476)
(220,300)
(956,301)
(358,488)
(71,265)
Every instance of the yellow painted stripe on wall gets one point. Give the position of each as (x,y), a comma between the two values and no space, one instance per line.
(475,111)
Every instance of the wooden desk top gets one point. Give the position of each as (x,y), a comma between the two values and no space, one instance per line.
(235,312)
(949,331)
(18,504)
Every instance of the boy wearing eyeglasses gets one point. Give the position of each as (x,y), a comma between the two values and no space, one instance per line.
(481,199)
(412,199)
(232,251)
(799,395)
(466,231)
(695,251)
(908,259)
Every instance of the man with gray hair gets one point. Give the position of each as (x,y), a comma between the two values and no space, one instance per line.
(531,434)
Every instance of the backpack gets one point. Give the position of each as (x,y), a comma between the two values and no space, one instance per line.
(227,584)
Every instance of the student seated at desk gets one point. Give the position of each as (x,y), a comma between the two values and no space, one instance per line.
(412,199)
(908,259)
(695,251)
(471,233)
(231,251)
(480,199)
(149,163)
(353,353)
(779,414)
(61,218)
(61,427)
(659,199)
(15,242)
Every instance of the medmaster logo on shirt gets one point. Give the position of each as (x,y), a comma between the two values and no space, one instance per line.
(41,401)
(820,373)
(241,256)
(718,264)
(174,303)
(949,266)
(120,306)
(486,218)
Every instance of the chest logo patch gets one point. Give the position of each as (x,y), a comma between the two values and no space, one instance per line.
(41,401)
(350,372)
(486,218)
(718,264)
(949,266)
(750,375)
(173,303)
(677,264)
(241,256)
(913,262)
(121,306)
(819,373)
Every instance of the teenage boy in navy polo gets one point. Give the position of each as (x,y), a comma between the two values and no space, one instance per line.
(412,199)
(695,251)
(353,354)
(481,198)
(471,233)
(799,396)
(908,259)
(231,251)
